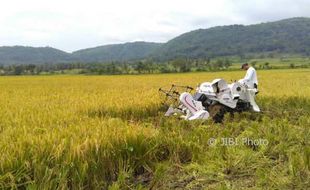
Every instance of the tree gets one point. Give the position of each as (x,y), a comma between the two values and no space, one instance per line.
(126,68)
(219,63)
(266,65)
(31,68)
(180,65)
(253,63)
(227,63)
(140,67)
(18,70)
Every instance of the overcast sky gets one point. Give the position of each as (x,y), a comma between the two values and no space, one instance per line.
(70,25)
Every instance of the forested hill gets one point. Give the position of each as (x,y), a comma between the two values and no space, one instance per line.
(290,36)
(31,55)
(116,52)
(285,36)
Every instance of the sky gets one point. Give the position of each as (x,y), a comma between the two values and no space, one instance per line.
(71,25)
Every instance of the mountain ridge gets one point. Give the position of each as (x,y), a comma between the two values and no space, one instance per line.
(284,36)
(239,39)
(117,52)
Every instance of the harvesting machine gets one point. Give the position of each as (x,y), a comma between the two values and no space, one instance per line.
(210,99)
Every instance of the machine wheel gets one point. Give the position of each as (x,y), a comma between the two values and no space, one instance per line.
(217,112)
(243,106)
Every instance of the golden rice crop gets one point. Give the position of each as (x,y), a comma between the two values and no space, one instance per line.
(99,132)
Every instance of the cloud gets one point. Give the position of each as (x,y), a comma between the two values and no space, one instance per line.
(71,25)
(270,10)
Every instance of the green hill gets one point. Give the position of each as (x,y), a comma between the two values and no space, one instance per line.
(285,36)
(116,52)
(31,55)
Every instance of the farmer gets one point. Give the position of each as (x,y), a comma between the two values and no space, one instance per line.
(250,78)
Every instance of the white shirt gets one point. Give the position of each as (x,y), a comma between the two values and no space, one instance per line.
(250,77)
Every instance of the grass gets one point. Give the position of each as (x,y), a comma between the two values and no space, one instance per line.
(109,132)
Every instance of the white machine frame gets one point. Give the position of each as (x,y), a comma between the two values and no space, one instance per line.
(215,92)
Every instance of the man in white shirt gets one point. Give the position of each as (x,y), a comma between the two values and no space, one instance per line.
(250,78)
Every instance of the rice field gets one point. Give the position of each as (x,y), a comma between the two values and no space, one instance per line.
(109,132)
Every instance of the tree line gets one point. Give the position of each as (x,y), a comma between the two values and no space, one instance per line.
(139,67)
(110,68)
